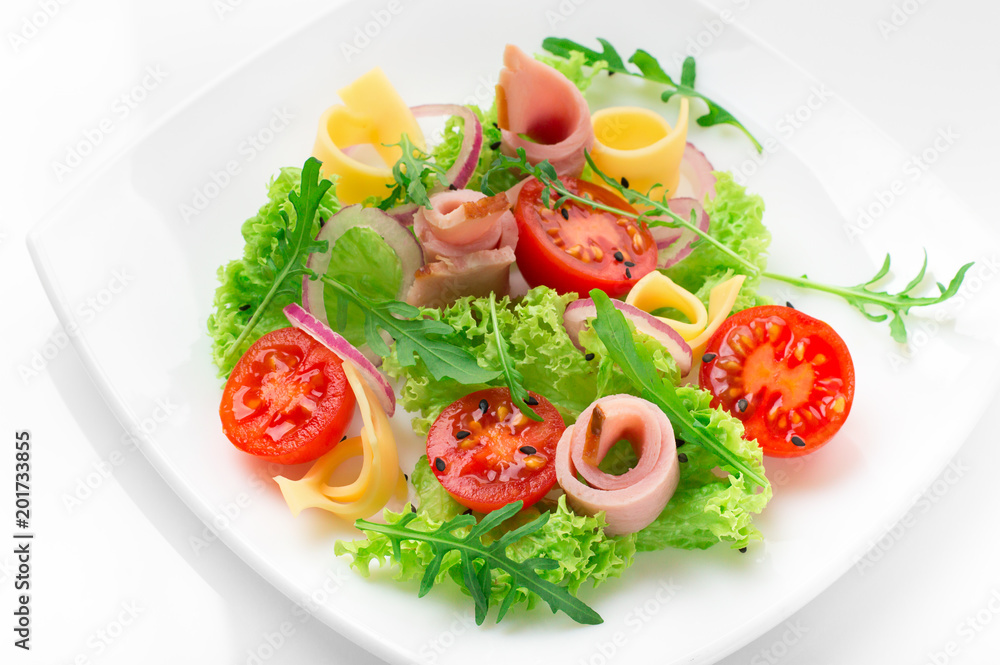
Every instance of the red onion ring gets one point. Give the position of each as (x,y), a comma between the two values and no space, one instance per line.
(576,315)
(698,171)
(411,257)
(404,214)
(675,243)
(319,331)
(472,141)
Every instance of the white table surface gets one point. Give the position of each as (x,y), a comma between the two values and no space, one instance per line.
(124,573)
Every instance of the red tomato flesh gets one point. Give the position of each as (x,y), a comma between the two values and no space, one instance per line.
(787,376)
(576,248)
(489,457)
(287,400)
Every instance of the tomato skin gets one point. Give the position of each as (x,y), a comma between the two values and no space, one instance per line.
(287,400)
(546,241)
(489,468)
(792,375)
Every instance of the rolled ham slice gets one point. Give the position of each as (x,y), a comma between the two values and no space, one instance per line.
(634,499)
(463,222)
(442,282)
(536,100)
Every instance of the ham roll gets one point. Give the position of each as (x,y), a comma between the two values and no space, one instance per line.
(537,101)
(468,241)
(634,499)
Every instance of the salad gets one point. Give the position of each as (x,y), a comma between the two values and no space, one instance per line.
(564,300)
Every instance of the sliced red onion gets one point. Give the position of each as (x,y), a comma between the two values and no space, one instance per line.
(674,243)
(404,214)
(576,315)
(411,257)
(321,332)
(698,172)
(472,141)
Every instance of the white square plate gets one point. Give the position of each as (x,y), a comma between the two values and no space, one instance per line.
(157,223)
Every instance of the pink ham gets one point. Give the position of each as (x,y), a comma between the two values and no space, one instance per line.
(538,101)
(462,222)
(442,282)
(634,499)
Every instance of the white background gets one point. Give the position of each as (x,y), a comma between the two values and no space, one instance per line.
(116,578)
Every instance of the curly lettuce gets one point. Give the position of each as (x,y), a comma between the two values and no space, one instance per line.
(574,67)
(539,347)
(736,220)
(243,283)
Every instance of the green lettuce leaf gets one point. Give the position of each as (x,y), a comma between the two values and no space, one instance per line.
(435,502)
(243,283)
(539,347)
(705,509)
(575,68)
(363,260)
(737,222)
(446,151)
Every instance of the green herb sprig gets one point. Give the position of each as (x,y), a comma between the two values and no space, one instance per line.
(636,364)
(648,68)
(293,244)
(478,560)
(410,172)
(515,380)
(414,336)
(656,212)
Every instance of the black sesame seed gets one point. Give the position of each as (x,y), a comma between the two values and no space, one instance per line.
(528,450)
(565,213)
(439,464)
(682,458)
(462,434)
(797,440)
(344,438)
(495,145)
(406,478)
(531,401)
(624,182)
(413,508)
(708,357)
(484,406)
(467,511)
(244,308)
(589,356)
(611,73)
(789,305)
(619,257)
(496,125)
(628,274)
(629,264)
(680,443)
(452,187)
(742,405)
(743,550)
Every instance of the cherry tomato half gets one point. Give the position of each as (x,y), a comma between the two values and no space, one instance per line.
(579,248)
(787,376)
(287,400)
(487,454)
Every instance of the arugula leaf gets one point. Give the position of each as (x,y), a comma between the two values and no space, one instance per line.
(414,335)
(473,551)
(414,168)
(636,364)
(649,68)
(897,304)
(292,243)
(515,381)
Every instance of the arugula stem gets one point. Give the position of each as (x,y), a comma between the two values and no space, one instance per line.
(248,328)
